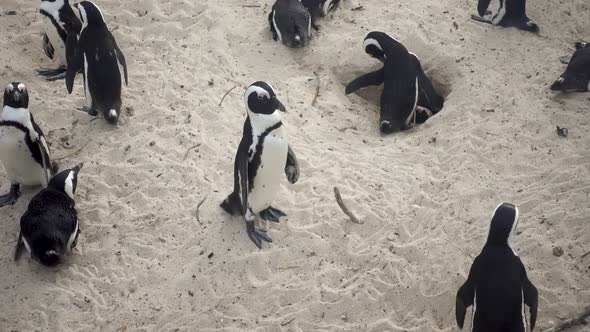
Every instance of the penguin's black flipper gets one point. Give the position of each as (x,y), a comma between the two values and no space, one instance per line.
(74,58)
(292,167)
(465,296)
(531,298)
(373,78)
(18,249)
(522,23)
(120,57)
(482,6)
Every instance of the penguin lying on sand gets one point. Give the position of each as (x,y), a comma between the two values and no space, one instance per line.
(319,8)
(263,156)
(97,53)
(497,286)
(408,96)
(60,21)
(506,13)
(49,228)
(23,149)
(290,23)
(576,77)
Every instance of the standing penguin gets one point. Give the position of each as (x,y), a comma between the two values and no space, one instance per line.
(262,156)
(408,96)
(506,13)
(96,52)
(60,21)
(290,23)
(23,149)
(576,77)
(497,285)
(49,228)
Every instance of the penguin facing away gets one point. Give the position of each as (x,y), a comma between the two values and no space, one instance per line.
(576,77)
(262,157)
(497,286)
(23,149)
(60,21)
(505,13)
(408,96)
(97,53)
(290,23)
(49,228)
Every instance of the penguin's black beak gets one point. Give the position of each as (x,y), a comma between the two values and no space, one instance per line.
(16,96)
(78,167)
(280,106)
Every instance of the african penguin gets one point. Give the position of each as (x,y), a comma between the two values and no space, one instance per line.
(97,53)
(319,8)
(23,149)
(576,77)
(506,13)
(497,285)
(290,23)
(262,156)
(49,228)
(408,96)
(60,21)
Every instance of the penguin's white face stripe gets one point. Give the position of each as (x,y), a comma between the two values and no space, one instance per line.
(73,236)
(52,8)
(371,41)
(21,87)
(327,7)
(274,23)
(260,92)
(69,185)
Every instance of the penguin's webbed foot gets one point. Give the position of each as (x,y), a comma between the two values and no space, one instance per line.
(12,197)
(257,235)
(53,74)
(90,111)
(564,59)
(272,214)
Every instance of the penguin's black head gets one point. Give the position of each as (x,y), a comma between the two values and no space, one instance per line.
(291,21)
(66,181)
(16,95)
(503,224)
(48,249)
(399,114)
(373,45)
(90,14)
(261,99)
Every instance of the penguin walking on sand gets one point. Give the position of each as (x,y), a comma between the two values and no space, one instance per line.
(408,96)
(262,157)
(97,53)
(60,21)
(505,13)
(49,228)
(23,149)
(497,286)
(290,23)
(319,8)
(576,77)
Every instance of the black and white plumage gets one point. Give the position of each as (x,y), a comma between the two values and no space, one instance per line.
(49,228)
(506,13)
(497,286)
(319,8)
(23,149)
(97,53)
(262,157)
(408,96)
(576,77)
(290,23)
(60,21)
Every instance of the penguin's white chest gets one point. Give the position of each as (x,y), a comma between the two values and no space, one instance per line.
(56,41)
(267,181)
(18,160)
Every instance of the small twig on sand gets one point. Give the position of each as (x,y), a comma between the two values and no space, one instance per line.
(586,254)
(346,128)
(251,6)
(579,319)
(317,89)
(198,207)
(225,95)
(71,154)
(189,150)
(344,208)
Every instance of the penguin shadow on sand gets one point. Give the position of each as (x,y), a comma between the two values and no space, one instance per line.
(440,69)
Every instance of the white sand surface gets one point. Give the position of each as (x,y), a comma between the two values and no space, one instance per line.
(144,262)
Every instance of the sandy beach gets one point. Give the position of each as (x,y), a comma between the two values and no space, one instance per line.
(146,262)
